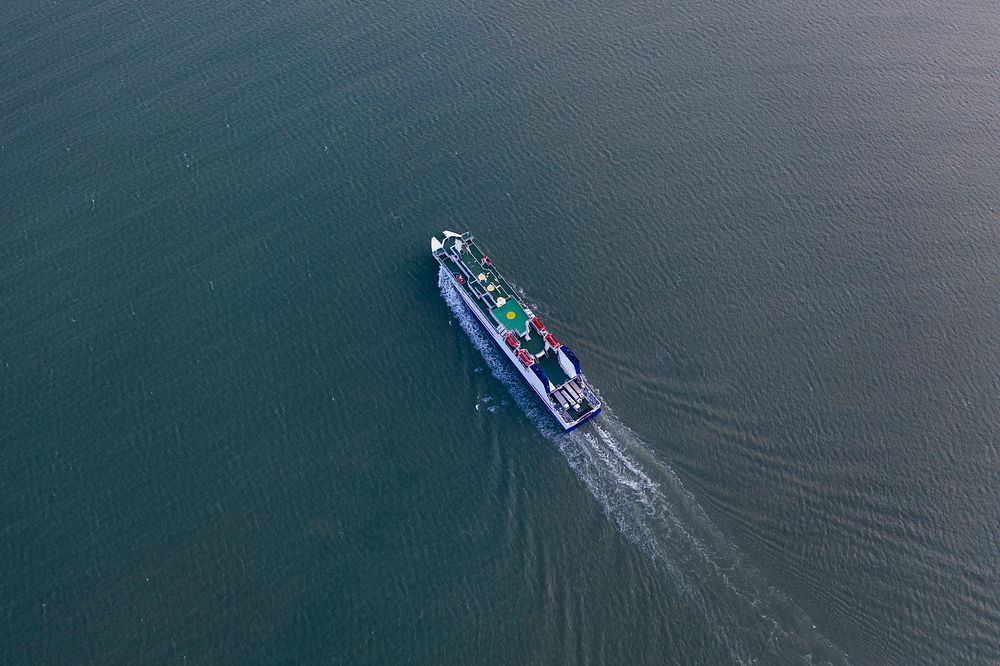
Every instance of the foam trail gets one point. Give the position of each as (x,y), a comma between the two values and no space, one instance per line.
(750,619)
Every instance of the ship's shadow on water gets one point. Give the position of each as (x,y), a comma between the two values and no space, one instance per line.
(752,620)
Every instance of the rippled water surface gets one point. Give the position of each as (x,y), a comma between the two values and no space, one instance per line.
(243,420)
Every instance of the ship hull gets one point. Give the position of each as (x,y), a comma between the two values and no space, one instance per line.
(513,360)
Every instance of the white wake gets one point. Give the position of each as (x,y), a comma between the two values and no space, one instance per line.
(752,621)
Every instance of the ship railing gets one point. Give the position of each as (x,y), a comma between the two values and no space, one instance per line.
(472,278)
(478,255)
(501,287)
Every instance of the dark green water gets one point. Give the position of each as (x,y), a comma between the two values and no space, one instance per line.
(241,423)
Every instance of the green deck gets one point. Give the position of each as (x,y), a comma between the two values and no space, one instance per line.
(512,316)
(488,286)
(454,269)
(533,344)
(549,364)
(472,257)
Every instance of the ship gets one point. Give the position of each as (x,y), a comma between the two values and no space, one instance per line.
(549,367)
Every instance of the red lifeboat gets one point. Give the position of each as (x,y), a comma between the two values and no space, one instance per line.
(525,358)
(551,339)
(511,341)
(537,323)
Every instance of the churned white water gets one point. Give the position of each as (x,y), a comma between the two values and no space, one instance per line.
(650,506)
